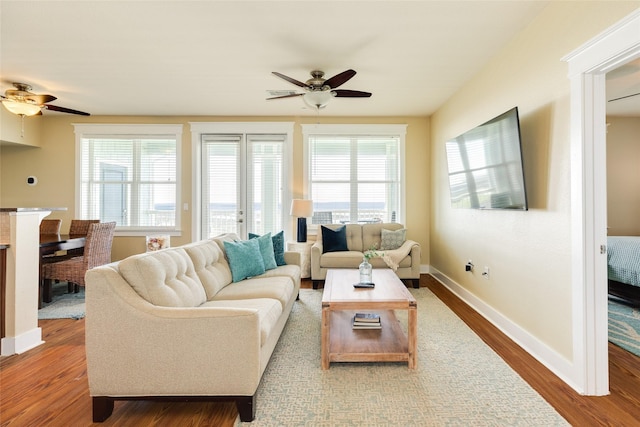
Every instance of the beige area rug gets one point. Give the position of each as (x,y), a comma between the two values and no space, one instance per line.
(459,381)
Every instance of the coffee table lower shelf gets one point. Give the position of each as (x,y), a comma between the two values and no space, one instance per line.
(345,344)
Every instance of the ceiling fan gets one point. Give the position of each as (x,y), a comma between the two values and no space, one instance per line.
(318,90)
(24,103)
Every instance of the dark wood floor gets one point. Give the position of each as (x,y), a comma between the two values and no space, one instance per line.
(47,386)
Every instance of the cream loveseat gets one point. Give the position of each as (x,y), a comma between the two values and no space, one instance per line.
(172,325)
(405,259)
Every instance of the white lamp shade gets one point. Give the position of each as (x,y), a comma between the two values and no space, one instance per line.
(21,108)
(301,208)
(318,98)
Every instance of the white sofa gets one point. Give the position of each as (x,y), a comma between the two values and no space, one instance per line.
(171,325)
(360,238)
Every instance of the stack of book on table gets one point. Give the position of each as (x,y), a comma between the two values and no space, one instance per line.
(366,321)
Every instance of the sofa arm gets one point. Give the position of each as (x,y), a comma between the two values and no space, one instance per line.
(137,349)
(293,258)
(316,253)
(416,255)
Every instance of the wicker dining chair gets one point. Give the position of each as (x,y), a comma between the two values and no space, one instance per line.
(97,251)
(81,226)
(50,226)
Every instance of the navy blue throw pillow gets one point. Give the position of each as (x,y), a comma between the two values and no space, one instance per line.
(334,240)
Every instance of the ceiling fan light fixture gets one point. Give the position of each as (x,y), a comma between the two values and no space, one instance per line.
(318,98)
(21,108)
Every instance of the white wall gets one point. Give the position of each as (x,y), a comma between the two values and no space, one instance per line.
(623,176)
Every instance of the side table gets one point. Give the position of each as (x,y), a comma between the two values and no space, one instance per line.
(304,248)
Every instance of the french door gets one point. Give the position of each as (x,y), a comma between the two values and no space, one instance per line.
(242,183)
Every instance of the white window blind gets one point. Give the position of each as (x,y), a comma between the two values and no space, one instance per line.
(130,178)
(242,183)
(355,178)
(265,178)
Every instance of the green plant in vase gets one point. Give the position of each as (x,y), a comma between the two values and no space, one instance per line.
(372,253)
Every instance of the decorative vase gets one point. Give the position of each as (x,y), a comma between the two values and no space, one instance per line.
(366,272)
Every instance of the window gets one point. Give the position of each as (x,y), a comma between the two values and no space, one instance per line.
(355,172)
(129,174)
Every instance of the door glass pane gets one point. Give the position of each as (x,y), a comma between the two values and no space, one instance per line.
(220,185)
(113,203)
(265,183)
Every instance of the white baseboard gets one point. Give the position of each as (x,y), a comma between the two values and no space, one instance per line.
(425,269)
(21,343)
(553,361)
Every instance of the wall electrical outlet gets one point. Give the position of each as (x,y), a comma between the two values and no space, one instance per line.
(485,273)
(468,266)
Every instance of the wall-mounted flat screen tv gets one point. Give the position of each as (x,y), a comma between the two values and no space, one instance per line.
(485,166)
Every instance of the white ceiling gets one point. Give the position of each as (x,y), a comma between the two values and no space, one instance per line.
(216,57)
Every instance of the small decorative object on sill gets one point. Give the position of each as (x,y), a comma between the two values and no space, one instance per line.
(155,243)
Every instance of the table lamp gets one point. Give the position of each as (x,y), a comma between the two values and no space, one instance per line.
(302,209)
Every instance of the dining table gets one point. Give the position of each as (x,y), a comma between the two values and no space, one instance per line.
(51,244)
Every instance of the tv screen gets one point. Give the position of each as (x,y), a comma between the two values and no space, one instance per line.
(485,166)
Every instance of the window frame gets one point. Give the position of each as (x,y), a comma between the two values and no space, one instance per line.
(355,130)
(83,131)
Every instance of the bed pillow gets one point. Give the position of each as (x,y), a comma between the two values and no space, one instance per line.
(245,259)
(266,250)
(334,240)
(278,246)
(392,239)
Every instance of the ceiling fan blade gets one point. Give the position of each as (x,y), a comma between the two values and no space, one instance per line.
(340,79)
(40,99)
(65,110)
(289,79)
(624,97)
(286,96)
(346,93)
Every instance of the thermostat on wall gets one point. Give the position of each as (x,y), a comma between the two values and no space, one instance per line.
(32,180)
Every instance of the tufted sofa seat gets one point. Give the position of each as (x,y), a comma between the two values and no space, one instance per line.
(173,325)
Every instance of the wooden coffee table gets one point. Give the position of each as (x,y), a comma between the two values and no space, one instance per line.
(340,301)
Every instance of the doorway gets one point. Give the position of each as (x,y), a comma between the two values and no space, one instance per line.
(588,66)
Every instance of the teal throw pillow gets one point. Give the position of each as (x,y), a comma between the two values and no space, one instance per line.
(334,240)
(392,239)
(245,259)
(266,250)
(278,246)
